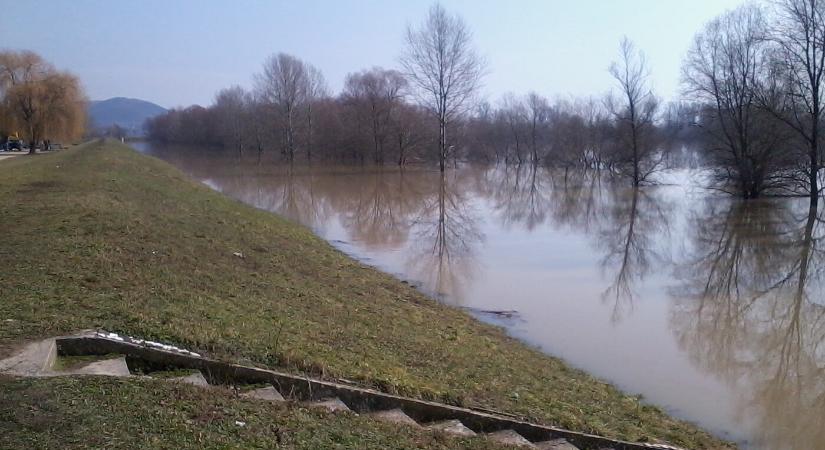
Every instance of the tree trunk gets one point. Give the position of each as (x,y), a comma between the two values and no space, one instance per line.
(34,137)
(814,173)
(442,144)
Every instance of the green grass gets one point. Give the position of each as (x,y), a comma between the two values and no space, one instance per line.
(101,236)
(75,362)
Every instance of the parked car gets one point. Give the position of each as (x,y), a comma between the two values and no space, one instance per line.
(13,144)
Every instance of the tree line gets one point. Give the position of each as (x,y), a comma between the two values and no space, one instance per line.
(751,112)
(426,111)
(38,103)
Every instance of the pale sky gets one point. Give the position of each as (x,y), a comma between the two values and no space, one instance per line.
(180,52)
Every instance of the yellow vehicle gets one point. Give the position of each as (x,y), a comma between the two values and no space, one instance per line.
(13,142)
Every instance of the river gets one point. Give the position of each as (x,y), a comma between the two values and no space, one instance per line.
(707,306)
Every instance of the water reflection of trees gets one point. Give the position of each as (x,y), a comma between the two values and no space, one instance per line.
(423,214)
(749,308)
(519,194)
(289,192)
(377,208)
(446,237)
(627,226)
(636,223)
(431,218)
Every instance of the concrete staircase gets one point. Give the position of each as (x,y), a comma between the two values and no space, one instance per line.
(146,358)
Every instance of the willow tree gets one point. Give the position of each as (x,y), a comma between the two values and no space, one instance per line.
(44,102)
(442,64)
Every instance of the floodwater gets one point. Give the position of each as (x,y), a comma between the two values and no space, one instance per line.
(712,308)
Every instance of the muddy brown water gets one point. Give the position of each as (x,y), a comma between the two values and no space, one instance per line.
(709,307)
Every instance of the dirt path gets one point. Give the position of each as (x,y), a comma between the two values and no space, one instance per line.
(7,155)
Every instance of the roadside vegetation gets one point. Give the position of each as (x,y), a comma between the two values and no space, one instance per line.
(102,237)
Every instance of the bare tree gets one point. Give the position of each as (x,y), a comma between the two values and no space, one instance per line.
(376,96)
(409,126)
(230,106)
(596,122)
(443,65)
(283,84)
(316,90)
(514,114)
(723,71)
(635,114)
(256,123)
(800,35)
(538,111)
(571,135)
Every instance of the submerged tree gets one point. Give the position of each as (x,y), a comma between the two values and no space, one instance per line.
(800,36)
(538,112)
(634,114)
(446,70)
(513,114)
(290,86)
(316,92)
(230,107)
(723,71)
(375,96)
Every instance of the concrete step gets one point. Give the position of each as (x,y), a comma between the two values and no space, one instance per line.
(195,379)
(556,444)
(451,427)
(510,437)
(104,343)
(394,416)
(268,393)
(330,404)
(34,360)
(115,367)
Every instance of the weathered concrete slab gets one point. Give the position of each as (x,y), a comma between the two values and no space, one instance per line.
(195,379)
(395,416)
(330,404)
(509,437)
(556,444)
(33,360)
(451,427)
(269,394)
(115,367)
(361,399)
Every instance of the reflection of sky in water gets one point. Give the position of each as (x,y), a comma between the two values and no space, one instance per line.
(554,254)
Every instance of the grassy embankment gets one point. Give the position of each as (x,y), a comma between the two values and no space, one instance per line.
(101,236)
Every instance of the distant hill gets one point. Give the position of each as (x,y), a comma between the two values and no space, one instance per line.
(127,113)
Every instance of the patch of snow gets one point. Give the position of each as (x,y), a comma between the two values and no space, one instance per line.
(146,343)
